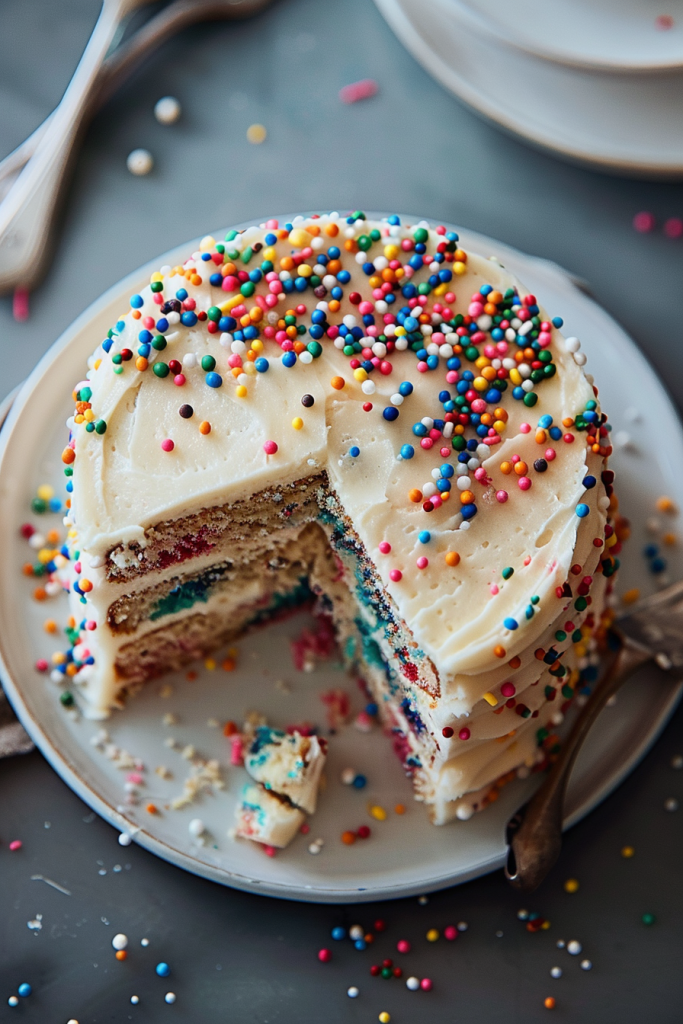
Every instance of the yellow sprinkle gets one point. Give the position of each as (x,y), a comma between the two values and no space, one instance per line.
(378,813)
(384,1017)
(256,134)
(627,851)
(210,664)
(58,658)
(360,374)
(459,268)
(156,276)
(571,885)
(299,237)
(491,699)
(235,300)
(665,504)
(432,935)
(241,391)
(545,926)
(207,243)
(45,492)
(630,596)
(297,423)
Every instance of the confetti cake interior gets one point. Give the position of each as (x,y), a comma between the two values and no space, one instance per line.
(362,415)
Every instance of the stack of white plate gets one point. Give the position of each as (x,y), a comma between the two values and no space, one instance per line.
(599,81)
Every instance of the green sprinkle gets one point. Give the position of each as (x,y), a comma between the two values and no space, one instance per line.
(161,369)
(208,363)
(508,572)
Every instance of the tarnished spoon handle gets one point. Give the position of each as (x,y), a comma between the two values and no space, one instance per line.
(535,833)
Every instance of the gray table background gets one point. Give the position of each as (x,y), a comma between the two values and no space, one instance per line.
(241,958)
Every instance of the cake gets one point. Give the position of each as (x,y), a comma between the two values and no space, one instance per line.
(361,415)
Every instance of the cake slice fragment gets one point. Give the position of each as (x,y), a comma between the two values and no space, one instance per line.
(287,764)
(266,817)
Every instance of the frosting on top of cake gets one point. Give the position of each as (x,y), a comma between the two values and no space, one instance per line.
(455,423)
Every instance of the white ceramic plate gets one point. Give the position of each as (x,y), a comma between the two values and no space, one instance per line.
(614,35)
(628,123)
(405,854)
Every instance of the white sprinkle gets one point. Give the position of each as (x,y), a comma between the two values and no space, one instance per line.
(555,972)
(586,965)
(356,932)
(522,915)
(574,947)
(560,943)
(140,162)
(196,827)
(144,942)
(352,992)
(413,984)
(170,997)
(671,804)
(464,812)
(120,941)
(423,900)
(677,762)
(167,110)
(135,1000)
(347,776)
(462,926)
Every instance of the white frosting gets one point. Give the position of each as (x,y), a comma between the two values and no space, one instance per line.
(124,482)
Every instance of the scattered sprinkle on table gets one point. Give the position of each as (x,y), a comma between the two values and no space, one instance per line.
(256,134)
(140,162)
(167,110)
(356,91)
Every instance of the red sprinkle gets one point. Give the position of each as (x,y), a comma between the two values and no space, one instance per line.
(325,955)
(356,91)
(15,844)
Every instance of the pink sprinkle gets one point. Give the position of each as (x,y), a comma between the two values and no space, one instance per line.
(644,222)
(527,560)
(270,447)
(42,665)
(464,734)
(444,452)
(422,562)
(516,458)
(20,304)
(324,955)
(664,22)
(494,589)
(396,575)
(179,380)
(673,227)
(270,851)
(356,91)
(502,496)
(450,932)
(508,689)
(385,547)
(305,829)
(524,483)
(236,752)
(525,428)
(15,844)
(436,501)
(426,984)
(550,454)
(167,445)
(91,624)
(135,777)
(403,946)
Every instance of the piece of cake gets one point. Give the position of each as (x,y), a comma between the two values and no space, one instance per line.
(288,764)
(266,817)
(363,414)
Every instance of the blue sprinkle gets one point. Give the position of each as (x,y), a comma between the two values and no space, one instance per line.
(390,413)
(188,318)
(54,504)
(424,536)
(354,451)
(24,989)
(407,451)
(405,388)
(545,422)
(518,393)
(446,470)
(214,380)
(136,301)
(262,365)
(163,970)
(555,433)
(557,321)
(468,511)
(360,945)
(443,484)
(145,337)
(511,623)
(371,709)
(289,359)
(657,565)
(588,482)
(181,294)
(162,325)
(360,782)
(651,550)
(582,510)
(338,933)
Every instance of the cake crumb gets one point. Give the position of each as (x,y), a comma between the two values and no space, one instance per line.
(204,777)
(212,723)
(165,691)
(188,752)
(163,772)
(170,719)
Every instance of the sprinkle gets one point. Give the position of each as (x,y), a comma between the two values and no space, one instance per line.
(665,504)
(352,992)
(571,885)
(170,998)
(356,91)
(186,411)
(204,427)
(167,445)
(422,562)
(673,227)
(297,423)
(163,970)
(582,510)
(507,572)
(324,955)
(16,844)
(140,162)
(378,813)
(395,575)
(627,852)
(450,932)
(384,547)
(426,985)
(432,935)
(574,947)
(167,110)
(348,838)
(24,990)
(120,941)
(256,134)
(663,22)
(337,383)
(20,304)
(491,699)
(354,451)
(549,1003)
(412,984)
(270,447)
(648,919)
(403,946)
(452,558)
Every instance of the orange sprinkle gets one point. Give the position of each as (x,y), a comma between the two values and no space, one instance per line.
(669,539)
(549,1003)
(52,537)
(204,427)
(68,456)
(332,230)
(27,569)
(71,669)
(415,495)
(39,594)
(229,665)
(229,729)
(121,954)
(348,838)
(399,809)
(50,626)
(515,662)
(141,364)
(506,467)
(665,504)
(521,468)
(630,596)
(191,675)
(452,558)
(499,651)
(338,383)
(467,497)
(152,809)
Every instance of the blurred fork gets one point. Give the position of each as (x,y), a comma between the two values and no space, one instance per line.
(654,632)
(23,259)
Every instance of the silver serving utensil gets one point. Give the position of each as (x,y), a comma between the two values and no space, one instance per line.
(24,229)
(654,632)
